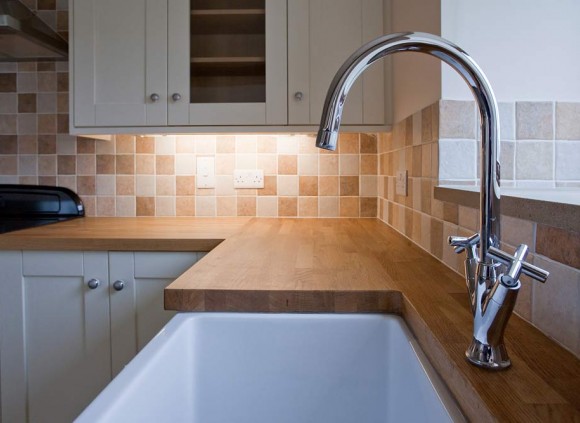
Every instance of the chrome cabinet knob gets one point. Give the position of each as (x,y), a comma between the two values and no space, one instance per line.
(176,97)
(119,285)
(154,97)
(298,95)
(93,283)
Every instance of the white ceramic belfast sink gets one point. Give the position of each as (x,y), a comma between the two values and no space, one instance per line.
(264,368)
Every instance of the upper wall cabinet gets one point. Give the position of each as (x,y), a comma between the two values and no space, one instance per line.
(178,63)
(166,65)
(322,34)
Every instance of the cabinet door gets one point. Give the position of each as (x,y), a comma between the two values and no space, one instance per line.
(227,62)
(55,343)
(119,53)
(137,311)
(322,34)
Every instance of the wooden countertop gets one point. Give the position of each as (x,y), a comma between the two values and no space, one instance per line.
(340,265)
(126,233)
(361,265)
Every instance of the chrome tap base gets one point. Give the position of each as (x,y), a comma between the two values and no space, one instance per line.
(488,356)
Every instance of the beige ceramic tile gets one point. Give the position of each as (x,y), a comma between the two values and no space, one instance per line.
(328,185)
(185,164)
(125,185)
(185,144)
(225,144)
(287,165)
(205,206)
(349,164)
(349,207)
(308,185)
(246,144)
(328,164)
(246,206)
(267,206)
(287,185)
(144,164)
(185,206)
(267,144)
(145,185)
(125,206)
(106,206)
(534,120)
(224,164)
(308,164)
(328,207)
(268,163)
(287,206)
(165,185)
(225,185)
(308,206)
(226,206)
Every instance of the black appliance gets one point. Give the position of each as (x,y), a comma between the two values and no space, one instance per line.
(26,206)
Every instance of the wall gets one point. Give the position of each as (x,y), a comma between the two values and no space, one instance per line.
(413,145)
(526,48)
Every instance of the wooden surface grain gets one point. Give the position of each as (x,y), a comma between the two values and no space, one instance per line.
(361,265)
(126,234)
(341,265)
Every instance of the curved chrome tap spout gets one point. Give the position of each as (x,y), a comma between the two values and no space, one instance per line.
(460,61)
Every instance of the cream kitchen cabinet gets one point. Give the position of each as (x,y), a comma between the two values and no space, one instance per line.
(322,34)
(71,320)
(177,63)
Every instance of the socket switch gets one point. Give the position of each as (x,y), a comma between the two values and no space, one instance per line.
(248,178)
(401,183)
(205,175)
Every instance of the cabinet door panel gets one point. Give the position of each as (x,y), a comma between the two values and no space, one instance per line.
(119,61)
(322,35)
(61,328)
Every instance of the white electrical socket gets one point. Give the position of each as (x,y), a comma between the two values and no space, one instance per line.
(248,178)
(205,175)
(401,183)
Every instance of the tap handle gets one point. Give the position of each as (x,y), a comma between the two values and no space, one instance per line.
(517,265)
(460,244)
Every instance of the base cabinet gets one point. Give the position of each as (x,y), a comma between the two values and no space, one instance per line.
(70,321)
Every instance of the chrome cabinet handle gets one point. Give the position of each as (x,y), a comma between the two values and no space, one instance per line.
(176,97)
(119,285)
(154,97)
(298,95)
(93,283)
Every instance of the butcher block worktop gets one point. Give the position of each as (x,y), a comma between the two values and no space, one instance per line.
(341,265)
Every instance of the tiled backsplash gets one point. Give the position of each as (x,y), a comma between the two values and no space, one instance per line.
(553,307)
(540,144)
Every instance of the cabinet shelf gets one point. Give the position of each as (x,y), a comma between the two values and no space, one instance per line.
(230,21)
(227,60)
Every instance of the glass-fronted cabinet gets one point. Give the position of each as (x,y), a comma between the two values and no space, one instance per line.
(227,62)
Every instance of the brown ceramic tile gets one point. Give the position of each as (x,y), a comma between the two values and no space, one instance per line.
(426,124)
(105,206)
(125,185)
(308,185)
(46,66)
(426,193)
(8,165)
(246,206)
(349,207)
(287,165)
(27,144)
(7,82)
(408,222)
(145,206)
(46,144)
(124,144)
(45,5)
(368,164)
(86,185)
(8,144)
(62,21)
(225,144)
(368,207)
(185,185)
(105,164)
(27,67)
(349,186)
(270,186)
(185,206)
(62,82)
(66,165)
(437,238)
(46,124)
(26,103)
(287,206)
(62,124)
(85,146)
(328,185)
(368,144)
(416,168)
(451,213)
(308,206)
(125,164)
(46,82)
(559,245)
(164,165)
(62,103)
(145,145)
(348,143)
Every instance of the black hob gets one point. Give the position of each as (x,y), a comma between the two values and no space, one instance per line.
(27,206)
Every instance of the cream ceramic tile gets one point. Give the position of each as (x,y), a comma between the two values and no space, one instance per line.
(349,164)
(535,160)
(567,125)
(185,164)
(287,185)
(246,144)
(368,186)
(224,164)
(105,185)
(288,144)
(534,120)
(268,163)
(226,206)
(165,144)
(225,185)
(145,185)
(308,164)
(246,161)
(165,206)
(125,206)
(205,206)
(267,207)
(568,160)
(205,144)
